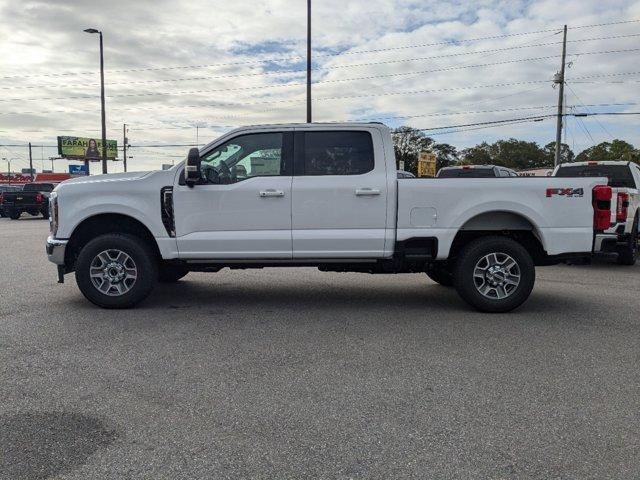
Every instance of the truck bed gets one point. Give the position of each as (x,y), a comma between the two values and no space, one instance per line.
(560,207)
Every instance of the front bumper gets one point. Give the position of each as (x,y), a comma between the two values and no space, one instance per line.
(56,249)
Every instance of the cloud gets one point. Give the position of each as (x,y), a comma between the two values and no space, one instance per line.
(172,66)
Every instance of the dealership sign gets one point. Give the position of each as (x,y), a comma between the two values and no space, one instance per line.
(78,170)
(85,148)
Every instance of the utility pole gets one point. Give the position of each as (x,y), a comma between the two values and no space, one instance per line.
(124,145)
(30,163)
(308,61)
(560,81)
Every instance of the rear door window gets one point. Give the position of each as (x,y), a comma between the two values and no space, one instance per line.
(338,153)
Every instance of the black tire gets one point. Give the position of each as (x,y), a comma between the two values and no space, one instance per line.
(441,273)
(475,254)
(168,273)
(144,262)
(628,254)
(15,215)
(45,214)
(2,214)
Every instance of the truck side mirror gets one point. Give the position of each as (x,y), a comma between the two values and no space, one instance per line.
(192,173)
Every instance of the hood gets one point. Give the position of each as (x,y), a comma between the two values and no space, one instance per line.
(112,177)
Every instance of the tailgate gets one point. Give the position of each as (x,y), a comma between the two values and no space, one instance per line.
(19,199)
(614,206)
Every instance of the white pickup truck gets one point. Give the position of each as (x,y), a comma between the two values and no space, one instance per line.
(624,179)
(323,195)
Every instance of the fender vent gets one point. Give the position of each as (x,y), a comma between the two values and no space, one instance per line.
(166,210)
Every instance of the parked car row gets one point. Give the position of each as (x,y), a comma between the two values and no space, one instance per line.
(323,195)
(4,189)
(32,198)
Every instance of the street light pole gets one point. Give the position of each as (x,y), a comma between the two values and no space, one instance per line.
(104,122)
(8,169)
(308,61)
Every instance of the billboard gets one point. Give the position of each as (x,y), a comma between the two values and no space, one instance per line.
(85,148)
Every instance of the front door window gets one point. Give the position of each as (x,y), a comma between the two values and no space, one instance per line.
(243,157)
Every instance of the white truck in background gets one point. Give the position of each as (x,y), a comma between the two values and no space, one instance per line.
(621,236)
(322,195)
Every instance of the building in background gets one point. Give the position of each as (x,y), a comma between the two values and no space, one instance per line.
(536,172)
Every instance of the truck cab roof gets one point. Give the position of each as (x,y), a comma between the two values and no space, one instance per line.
(298,126)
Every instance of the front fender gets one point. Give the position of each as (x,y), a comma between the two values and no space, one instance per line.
(71,217)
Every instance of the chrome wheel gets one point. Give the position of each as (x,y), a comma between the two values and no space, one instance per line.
(113,272)
(496,276)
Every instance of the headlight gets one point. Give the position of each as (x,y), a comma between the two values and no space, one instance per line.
(53,213)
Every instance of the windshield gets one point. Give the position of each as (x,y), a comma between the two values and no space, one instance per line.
(619,175)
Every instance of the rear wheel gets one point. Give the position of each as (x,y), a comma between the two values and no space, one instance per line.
(116,271)
(441,273)
(14,215)
(494,274)
(628,254)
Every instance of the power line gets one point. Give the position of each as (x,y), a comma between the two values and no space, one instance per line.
(584,129)
(462,130)
(333,67)
(301,57)
(491,122)
(283,85)
(579,100)
(342,97)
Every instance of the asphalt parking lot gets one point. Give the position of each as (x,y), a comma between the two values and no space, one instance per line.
(294,373)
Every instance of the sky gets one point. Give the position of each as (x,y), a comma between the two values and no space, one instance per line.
(182,73)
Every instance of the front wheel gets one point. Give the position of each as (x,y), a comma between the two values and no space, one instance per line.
(494,274)
(116,271)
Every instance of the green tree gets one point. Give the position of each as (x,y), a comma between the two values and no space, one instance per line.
(446,155)
(518,154)
(566,154)
(608,151)
(478,155)
(512,153)
(408,143)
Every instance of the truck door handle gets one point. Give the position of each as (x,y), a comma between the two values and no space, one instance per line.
(366,192)
(270,192)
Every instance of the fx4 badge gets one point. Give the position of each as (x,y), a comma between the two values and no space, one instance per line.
(565,192)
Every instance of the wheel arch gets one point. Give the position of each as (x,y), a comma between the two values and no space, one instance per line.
(515,225)
(100,224)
